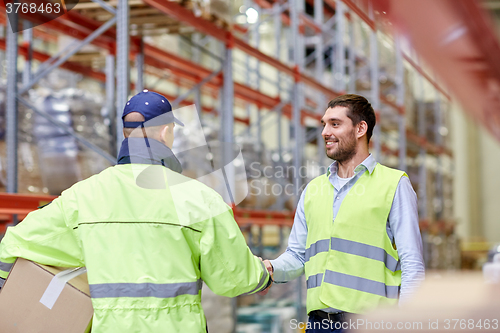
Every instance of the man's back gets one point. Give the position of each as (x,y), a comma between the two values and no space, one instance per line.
(148,237)
(138,254)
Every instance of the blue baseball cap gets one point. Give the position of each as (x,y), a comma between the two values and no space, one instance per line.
(155,108)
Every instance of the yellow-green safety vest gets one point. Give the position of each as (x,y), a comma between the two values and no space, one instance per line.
(146,250)
(351,264)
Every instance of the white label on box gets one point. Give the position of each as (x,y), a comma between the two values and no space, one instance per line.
(57,284)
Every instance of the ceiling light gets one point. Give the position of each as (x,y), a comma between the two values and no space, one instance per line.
(252,15)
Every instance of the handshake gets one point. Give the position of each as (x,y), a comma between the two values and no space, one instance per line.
(270,269)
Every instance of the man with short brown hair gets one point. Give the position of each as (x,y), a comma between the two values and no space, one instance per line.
(355,232)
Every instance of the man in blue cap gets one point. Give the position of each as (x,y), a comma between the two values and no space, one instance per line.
(147,243)
(148,119)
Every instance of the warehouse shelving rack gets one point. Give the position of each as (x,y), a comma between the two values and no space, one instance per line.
(242,92)
(302,91)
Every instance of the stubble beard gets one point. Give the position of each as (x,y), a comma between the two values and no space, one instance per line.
(346,149)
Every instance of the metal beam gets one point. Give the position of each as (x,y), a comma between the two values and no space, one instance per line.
(247,75)
(195,88)
(277,108)
(320,71)
(227,99)
(328,24)
(339,73)
(277,38)
(11,107)
(106,6)
(227,123)
(352,58)
(439,159)
(110,98)
(256,36)
(296,113)
(257,78)
(368,19)
(427,77)
(318,17)
(400,101)
(28,40)
(300,47)
(375,90)
(422,174)
(197,47)
(56,56)
(296,106)
(122,67)
(197,103)
(139,65)
(63,59)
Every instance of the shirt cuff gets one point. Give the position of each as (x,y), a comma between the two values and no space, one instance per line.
(279,275)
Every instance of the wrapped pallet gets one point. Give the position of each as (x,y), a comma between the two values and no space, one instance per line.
(62,161)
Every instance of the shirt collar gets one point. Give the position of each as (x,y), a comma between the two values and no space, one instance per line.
(368,164)
(148,151)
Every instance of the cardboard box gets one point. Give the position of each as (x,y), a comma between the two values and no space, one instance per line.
(21,309)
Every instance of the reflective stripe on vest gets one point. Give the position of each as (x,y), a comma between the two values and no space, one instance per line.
(5,266)
(356,248)
(361,284)
(165,290)
(367,251)
(322,245)
(314,281)
(353,282)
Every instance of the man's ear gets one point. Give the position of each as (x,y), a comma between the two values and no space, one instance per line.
(362,128)
(163,134)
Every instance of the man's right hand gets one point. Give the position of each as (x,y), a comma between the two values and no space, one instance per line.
(269,266)
(270,269)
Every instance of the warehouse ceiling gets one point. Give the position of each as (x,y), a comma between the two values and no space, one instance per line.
(459,41)
(493,8)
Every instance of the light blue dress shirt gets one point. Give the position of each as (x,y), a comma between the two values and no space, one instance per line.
(402,228)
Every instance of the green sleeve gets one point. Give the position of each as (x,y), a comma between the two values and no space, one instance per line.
(227,265)
(44,237)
